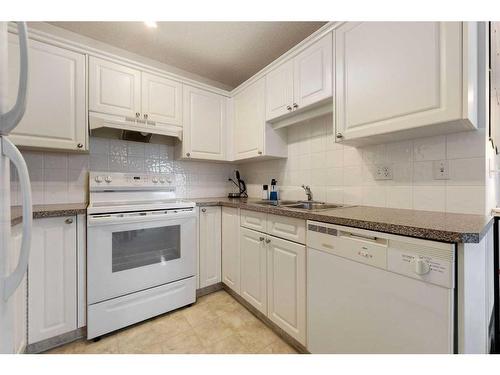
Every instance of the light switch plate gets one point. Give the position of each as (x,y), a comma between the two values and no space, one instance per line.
(383,172)
(441,170)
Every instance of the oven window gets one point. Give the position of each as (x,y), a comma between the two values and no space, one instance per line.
(142,247)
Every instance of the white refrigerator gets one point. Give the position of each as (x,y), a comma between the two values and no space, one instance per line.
(13,261)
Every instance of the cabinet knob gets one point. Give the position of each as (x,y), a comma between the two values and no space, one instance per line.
(259,152)
(79,145)
(261,239)
(188,154)
(339,136)
(295,106)
(145,116)
(137,114)
(203,210)
(68,221)
(288,108)
(268,240)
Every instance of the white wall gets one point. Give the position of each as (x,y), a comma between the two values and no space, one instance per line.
(344,174)
(58,177)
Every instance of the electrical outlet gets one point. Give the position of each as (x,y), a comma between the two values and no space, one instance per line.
(441,170)
(383,172)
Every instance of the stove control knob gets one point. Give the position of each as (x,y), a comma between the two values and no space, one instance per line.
(162,180)
(422,267)
(98,179)
(108,179)
(155,180)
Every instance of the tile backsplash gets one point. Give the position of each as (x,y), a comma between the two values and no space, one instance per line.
(58,177)
(344,174)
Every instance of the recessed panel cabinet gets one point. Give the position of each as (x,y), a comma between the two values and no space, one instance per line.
(56,112)
(161,99)
(52,275)
(231,248)
(404,79)
(210,246)
(204,135)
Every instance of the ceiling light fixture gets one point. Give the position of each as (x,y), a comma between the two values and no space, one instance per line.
(151,24)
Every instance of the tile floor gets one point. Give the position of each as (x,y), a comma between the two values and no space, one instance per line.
(216,324)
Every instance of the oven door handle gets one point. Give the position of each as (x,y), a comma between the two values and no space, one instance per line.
(95,220)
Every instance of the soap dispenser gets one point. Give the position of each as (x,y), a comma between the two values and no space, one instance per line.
(273,195)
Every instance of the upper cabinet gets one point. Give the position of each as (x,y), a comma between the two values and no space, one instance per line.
(397,80)
(161,99)
(302,81)
(56,115)
(252,137)
(114,88)
(204,135)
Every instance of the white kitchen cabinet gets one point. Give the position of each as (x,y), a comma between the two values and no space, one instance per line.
(302,81)
(286,289)
(253,262)
(161,100)
(231,248)
(114,89)
(204,133)
(210,246)
(397,80)
(52,275)
(19,297)
(279,90)
(252,137)
(254,220)
(56,112)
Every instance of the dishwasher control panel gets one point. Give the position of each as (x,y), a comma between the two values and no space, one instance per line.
(421,263)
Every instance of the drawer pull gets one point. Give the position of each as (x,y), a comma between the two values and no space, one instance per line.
(328,246)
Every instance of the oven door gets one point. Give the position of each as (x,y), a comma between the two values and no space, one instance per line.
(129,252)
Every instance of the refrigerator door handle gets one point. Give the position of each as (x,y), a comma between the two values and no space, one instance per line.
(9,120)
(12,281)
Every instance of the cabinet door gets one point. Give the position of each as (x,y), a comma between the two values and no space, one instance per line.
(231,248)
(56,114)
(204,124)
(249,120)
(210,246)
(161,100)
(313,73)
(19,298)
(253,268)
(52,274)
(279,90)
(113,88)
(394,76)
(287,286)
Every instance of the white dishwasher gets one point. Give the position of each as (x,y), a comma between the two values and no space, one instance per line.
(370,292)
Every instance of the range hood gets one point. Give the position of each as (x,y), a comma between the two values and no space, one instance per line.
(129,124)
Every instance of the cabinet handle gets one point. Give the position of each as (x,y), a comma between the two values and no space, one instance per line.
(339,136)
(295,106)
(68,221)
(268,240)
(288,108)
(137,114)
(259,152)
(188,154)
(261,239)
(145,116)
(203,210)
(79,145)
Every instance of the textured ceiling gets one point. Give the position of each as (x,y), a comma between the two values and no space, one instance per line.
(227,52)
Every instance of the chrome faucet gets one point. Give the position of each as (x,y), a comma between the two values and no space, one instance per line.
(308,192)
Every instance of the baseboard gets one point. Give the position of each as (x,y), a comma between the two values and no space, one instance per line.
(208,289)
(54,342)
(279,331)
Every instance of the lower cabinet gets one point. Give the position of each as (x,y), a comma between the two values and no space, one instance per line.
(286,286)
(231,248)
(253,268)
(210,246)
(19,297)
(52,278)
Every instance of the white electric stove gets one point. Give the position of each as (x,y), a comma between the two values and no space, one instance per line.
(141,250)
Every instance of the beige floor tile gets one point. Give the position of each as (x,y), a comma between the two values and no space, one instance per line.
(107,345)
(169,325)
(135,338)
(213,331)
(184,343)
(228,345)
(237,318)
(279,347)
(256,336)
(199,313)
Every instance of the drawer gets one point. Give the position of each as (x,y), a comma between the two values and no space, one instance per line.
(348,243)
(253,220)
(289,228)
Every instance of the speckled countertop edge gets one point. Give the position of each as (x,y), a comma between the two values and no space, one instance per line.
(435,226)
(49,210)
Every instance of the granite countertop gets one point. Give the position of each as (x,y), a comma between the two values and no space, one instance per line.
(49,210)
(436,226)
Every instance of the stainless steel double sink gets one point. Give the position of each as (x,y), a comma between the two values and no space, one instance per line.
(302,205)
